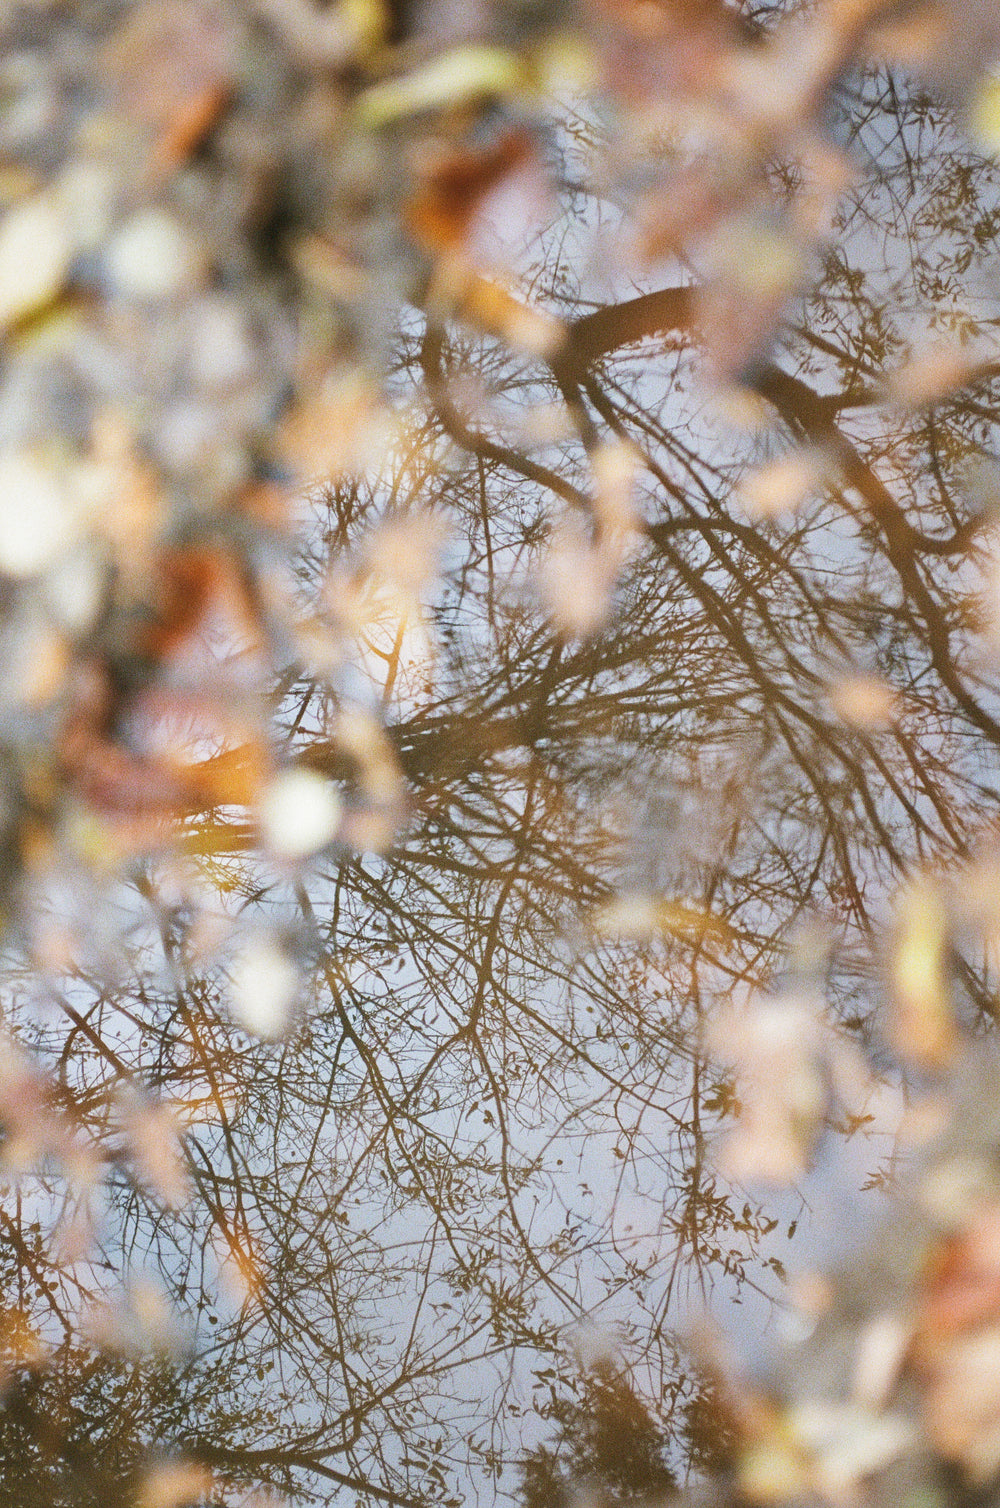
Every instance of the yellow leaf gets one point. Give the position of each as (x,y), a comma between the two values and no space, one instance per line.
(455,78)
(923,1024)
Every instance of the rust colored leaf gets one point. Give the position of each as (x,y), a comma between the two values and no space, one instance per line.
(187,130)
(961,1289)
(453,184)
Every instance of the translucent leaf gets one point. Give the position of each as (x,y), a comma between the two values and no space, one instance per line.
(264,985)
(36,249)
(299,814)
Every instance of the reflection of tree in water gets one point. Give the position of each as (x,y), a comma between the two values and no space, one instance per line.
(75,1435)
(494,1116)
(609,1449)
